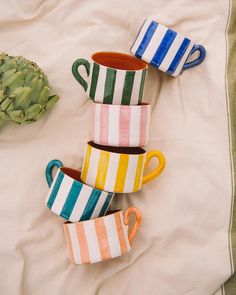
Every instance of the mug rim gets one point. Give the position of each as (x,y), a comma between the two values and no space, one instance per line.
(80,181)
(108,213)
(171,28)
(168,27)
(117,149)
(143,104)
(140,61)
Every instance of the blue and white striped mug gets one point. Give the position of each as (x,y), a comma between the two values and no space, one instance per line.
(166,49)
(71,199)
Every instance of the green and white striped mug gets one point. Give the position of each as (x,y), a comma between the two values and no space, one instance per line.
(113,78)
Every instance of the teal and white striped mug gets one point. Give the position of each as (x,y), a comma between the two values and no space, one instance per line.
(71,199)
(113,78)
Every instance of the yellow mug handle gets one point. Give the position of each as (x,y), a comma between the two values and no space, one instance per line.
(138,220)
(160,167)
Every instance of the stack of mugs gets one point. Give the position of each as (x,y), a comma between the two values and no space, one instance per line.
(114,160)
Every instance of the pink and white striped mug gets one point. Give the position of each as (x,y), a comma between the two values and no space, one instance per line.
(121,125)
(101,238)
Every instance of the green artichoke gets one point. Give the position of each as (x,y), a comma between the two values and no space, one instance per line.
(24,90)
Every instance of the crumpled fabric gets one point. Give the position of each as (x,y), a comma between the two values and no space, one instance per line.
(182,247)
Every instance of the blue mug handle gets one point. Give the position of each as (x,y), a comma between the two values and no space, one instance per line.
(200,59)
(50,166)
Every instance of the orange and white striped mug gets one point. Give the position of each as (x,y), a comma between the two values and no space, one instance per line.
(101,238)
(118,169)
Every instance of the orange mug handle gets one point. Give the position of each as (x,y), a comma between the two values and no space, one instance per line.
(138,220)
(160,167)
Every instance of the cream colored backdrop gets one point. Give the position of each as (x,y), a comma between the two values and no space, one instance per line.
(182,248)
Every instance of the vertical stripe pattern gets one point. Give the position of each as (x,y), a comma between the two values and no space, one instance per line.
(114,172)
(97,239)
(121,173)
(124,126)
(94,80)
(128,87)
(146,39)
(139,173)
(109,86)
(83,254)
(119,125)
(76,201)
(162,47)
(102,169)
(103,122)
(113,86)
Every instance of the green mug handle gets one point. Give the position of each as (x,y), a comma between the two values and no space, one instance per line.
(76,74)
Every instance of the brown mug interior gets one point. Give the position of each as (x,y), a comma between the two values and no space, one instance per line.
(120,61)
(75,174)
(118,150)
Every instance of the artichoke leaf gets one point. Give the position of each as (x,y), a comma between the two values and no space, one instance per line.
(4,116)
(33,111)
(16,80)
(41,113)
(44,94)
(7,75)
(29,75)
(36,85)
(17,116)
(7,104)
(6,66)
(51,101)
(2,95)
(22,97)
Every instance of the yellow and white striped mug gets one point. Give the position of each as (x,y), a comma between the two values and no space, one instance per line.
(101,238)
(118,169)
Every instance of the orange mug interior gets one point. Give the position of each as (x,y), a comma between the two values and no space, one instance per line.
(120,61)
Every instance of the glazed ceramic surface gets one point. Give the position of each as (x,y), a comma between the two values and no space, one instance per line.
(71,199)
(113,78)
(101,238)
(118,169)
(120,125)
(166,49)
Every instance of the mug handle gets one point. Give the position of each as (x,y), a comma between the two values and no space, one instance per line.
(200,59)
(160,167)
(75,71)
(50,166)
(138,220)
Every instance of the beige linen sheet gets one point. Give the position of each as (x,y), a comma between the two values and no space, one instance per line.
(183,245)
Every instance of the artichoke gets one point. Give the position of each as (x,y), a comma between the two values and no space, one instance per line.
(24,90)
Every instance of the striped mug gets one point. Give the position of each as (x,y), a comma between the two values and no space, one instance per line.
(117,169)
(120,125)
(113,78)
(166,49)
(102,238)
(71,199)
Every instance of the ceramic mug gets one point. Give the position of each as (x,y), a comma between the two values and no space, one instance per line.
(120,125)
(113,78)
(166,49)
(102,238)
(71,199)
(118,169)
